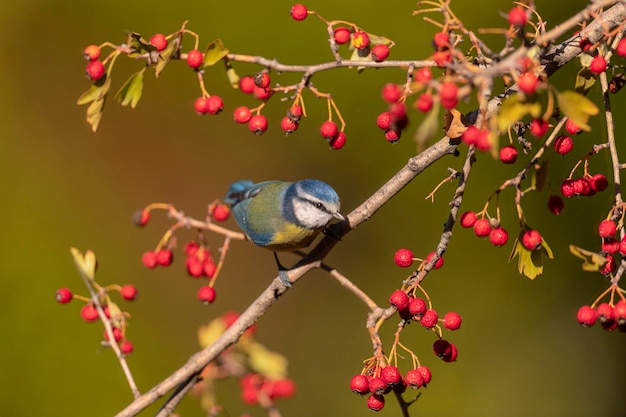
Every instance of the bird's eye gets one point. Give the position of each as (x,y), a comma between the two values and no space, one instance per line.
(319,206)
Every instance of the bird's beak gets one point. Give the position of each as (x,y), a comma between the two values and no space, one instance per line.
(338,216)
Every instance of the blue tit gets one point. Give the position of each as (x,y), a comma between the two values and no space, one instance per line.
(280,215)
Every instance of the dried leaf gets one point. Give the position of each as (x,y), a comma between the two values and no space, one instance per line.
(454,123)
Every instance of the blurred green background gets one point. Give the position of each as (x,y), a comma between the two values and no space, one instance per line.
(521,351)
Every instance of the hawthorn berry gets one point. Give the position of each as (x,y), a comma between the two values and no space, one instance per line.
(384,120)
(609,266)
(283,388)
(380,52)
(209,268)
(288,125)
(391,93)
(392,135)
(359,384)
(376,402)
(64,295)
(563,145)
(201,105)
(471,135)
(482,227)
(206,294)
(441,40)
(585,44)
(508,154)
(555,204)
(338,142)
(581,186)
(403,258)
(498,236)
(298,12)
(605,312)
(426,374)
(429,319)
(329,130)
(360,40)
(149,259)
(117,334)
(439,262)
(246,84)
(610,245)
(391,375)
(92,52)
(221,212)
(452,355)
(468,219)
(424,102)
(567,187)
(141,217)
(607,228)
(423,75)
(622,246)
(261,93)
(95,70)
(215,104)
(258,124)
(598,182)
(586,316)
(538,127)
(262,79)
(89,313)
(414,379)
(417,306)
(194,267)
(126,347)
(295,113)
(452,320)
(621,48)
(128,292)
(195,58)
(378,386)
(528,82)
(531,239)
(164,257)
(619,312)
(448,94)
(442,348)
(341,35)
(572,128)
(242,114)
(598,65)
(442,58)
(517,17)
(159,41)
(399,299)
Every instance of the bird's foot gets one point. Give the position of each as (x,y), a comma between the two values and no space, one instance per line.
(283,273)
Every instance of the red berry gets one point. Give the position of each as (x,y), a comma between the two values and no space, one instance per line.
(391,92)
(360,40)
(288,125)
(380,52)
(482,227)
(209,268)
(298,12)
(621,48)
(607,228)
(610,245)
(149,259)
(95,70)
(452,355)
(158,41)
(482,143)
(262,79)
(128,292)
(215,105)
(508,154)
(378,386)
(426,374)
(201,105)
(206,294)
(424,102)
(64,295)
(567,187)
(391,375)
(429,319)
(528,82)
(283,388)
(164,257)
(339,141)
(441,40)
(572,128)
(92,52)
(117,334)
(89,313)
(598,182)
(619,312)
(221,212)
(605,312)
(471,135)
(417,306)
(295,113)
(538,127)
(468,219)
(452,320)
(598,64)
(439,262)
(384,120)
(242,114)
(341,35)
(555,204)
(141,217)
(498,236)
(376,402)
(126,347)
(517,17)
(423,75)
(262,93)
(442,348)
(563,145)
(622,246)
(448,94)
(258,124)
(246,84)
(195,268)
(403,258)
(329,130)
(531,239)
(586,316)
(359,384)
(585,44)
(195,58)
(442,58)
(392,136)
(399,299)
(414,379)
(581,186)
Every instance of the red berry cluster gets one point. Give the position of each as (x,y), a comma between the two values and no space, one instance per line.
(95,68)
(404,258)
(483,227)
(255,385)
(611,315)
(587,185)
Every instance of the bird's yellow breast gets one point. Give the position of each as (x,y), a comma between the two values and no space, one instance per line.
(292,237)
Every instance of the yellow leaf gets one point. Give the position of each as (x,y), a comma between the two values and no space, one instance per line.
(94,113)
(585,79)
(530,263)
(209,333)
(512,110)
(265,362)
(593,261)
(214,52)
(577,108)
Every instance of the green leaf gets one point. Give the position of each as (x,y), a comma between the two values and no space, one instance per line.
(428,128)
(86,264)
(379,40)
(540,176)
(577,108)
(593,261)
(514,108)
(214,52)
(138,45)
(94,113)
(96,91)
(530,263)
(265,362)
(166,55)
(585,79)
(130,92)
(210,333)
(231,75)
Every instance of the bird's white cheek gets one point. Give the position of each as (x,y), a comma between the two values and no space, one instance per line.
(308,216)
